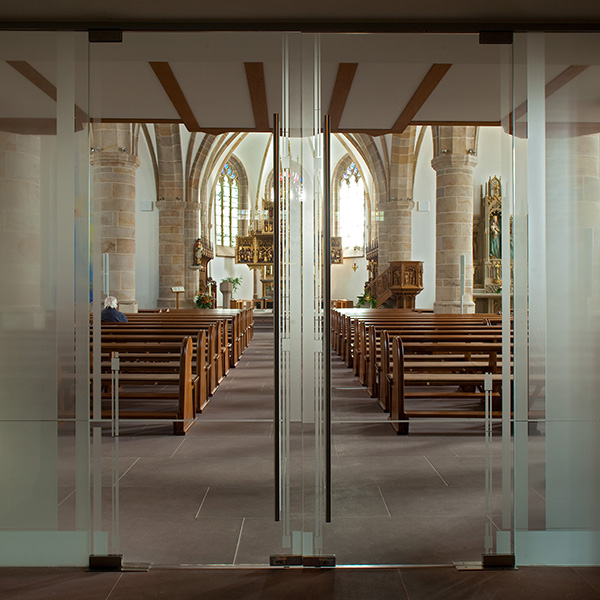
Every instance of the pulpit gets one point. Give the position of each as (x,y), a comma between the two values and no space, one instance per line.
(403,279)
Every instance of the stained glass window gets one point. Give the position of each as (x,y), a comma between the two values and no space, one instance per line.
(352,209)
(227,206)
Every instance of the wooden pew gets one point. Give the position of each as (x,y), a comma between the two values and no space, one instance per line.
(400,378)
(144,357)
(207,349)
(370,355)
(238,326)
(161,394)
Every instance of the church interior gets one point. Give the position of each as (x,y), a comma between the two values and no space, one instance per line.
(360,269)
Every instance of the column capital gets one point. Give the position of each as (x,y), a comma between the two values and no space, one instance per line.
(454,161)
(168,203)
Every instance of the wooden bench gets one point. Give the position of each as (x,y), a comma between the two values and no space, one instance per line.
(159,393)
(140,354)
(371,356)
(207,360)
(467,383)
(238,325)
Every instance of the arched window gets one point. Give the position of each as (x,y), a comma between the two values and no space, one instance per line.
(352,210)
(226,207)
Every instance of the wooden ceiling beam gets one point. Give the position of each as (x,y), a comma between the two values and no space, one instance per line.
(425,89)
(44,85)
(553,86)
(169,82)
(255,75)
(341,91)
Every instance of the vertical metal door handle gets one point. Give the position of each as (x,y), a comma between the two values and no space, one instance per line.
(276,309)
(327,309)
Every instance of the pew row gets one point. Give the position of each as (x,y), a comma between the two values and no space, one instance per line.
(154,393)
(466,384)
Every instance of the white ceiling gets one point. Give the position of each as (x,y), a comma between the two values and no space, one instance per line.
(209,68)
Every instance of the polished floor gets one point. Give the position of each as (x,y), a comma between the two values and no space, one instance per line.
(429,583)
(196,513)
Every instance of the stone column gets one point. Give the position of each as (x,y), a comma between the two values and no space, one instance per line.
(257,290)
(454,160)
(113,193)
(20,228)
(171,249)
(173,224)
(191,276)
(395,231)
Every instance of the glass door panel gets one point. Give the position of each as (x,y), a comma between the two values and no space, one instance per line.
(44,305)
(301,303)
(419,131)
(171,112)
(556,326)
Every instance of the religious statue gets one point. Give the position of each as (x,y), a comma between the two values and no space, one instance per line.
(495,237)
(198,252)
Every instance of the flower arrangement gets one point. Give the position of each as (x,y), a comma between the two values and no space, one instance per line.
(365,299)
(203,300)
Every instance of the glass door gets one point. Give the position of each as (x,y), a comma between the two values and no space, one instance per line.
(44,304)
(302,348)
(176,120)
(421,169)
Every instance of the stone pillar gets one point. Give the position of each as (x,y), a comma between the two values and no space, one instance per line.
(191,276)
(454,160)
(175,255)
(257,283)
(395,231)
(113,193)
(20,228)
(171,249)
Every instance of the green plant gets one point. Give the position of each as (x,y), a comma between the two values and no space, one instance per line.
(365,299)
(203,300)
(235,282)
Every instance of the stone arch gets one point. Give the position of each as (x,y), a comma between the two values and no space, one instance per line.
(194,181)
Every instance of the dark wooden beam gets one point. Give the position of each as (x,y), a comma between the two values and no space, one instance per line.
(169,82)
(255,74)
(376,132)
(553,86)
(29,126)
(341,91)
(34,76)
(425,89)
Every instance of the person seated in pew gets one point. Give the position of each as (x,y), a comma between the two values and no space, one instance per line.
(110,313)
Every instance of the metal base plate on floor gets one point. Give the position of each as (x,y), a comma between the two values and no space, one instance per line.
(106,562)
(488,562)
(295,560)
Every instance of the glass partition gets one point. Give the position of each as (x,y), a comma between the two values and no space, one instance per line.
(556,287)
(44,304)
(473,171)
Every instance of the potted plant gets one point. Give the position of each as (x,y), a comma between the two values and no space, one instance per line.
(365,299)
(235,284)
(203,300)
